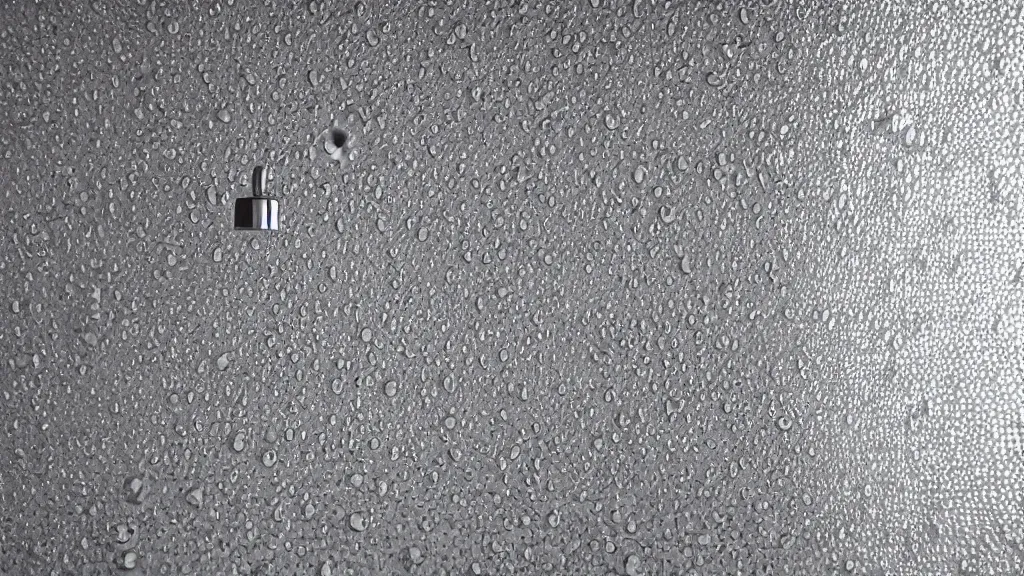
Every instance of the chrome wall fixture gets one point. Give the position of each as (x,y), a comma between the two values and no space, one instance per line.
(256,212)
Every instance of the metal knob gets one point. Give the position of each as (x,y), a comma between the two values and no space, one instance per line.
(256,212)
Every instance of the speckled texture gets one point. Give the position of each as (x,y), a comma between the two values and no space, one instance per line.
(575,288)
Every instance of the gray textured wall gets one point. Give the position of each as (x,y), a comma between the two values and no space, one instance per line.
(593,288)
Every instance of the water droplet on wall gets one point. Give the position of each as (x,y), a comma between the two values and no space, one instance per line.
(357,521)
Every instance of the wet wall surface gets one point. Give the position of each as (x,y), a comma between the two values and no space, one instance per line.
(579,287)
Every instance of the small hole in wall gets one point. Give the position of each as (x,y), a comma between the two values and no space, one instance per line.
(338,137)
(337,142)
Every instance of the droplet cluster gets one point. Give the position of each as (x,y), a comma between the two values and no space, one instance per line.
(584,287)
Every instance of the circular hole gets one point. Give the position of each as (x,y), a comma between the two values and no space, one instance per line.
(338,137)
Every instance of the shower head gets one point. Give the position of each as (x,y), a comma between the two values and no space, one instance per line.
(256,212)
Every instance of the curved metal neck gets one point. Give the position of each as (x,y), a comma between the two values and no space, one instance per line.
(259,181)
